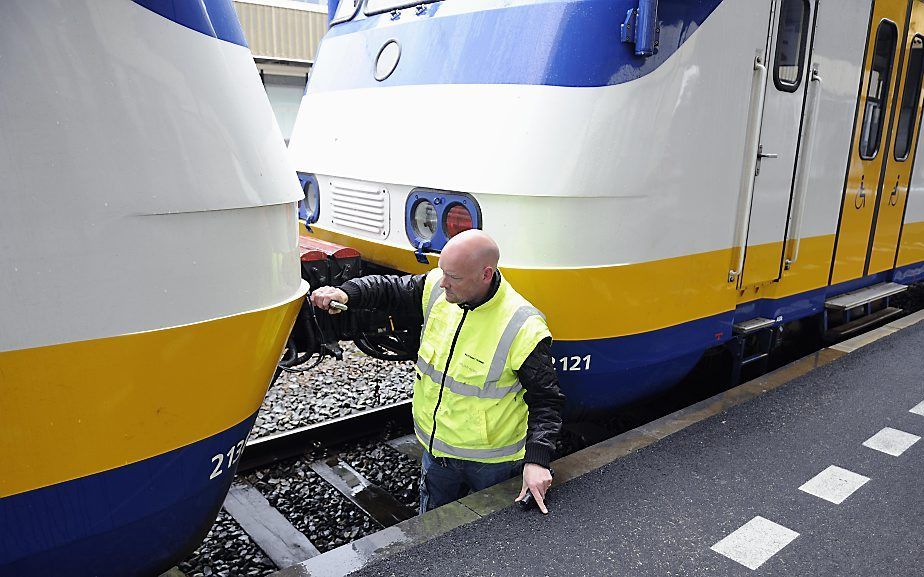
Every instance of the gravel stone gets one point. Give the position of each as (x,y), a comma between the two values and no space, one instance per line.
(227,550)
(312,506)
(333,389)
(393,471)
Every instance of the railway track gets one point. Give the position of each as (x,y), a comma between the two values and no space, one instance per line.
(300,492)
(287,444)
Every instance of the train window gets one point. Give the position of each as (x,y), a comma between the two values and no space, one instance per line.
(346,10)
(877,91)
(790,45)
(908,112)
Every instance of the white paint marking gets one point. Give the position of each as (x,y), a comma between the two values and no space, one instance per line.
(891,441)
(834,484)
(755,542)
(918,409)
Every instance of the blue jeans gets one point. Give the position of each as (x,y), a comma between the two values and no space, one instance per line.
(444,480)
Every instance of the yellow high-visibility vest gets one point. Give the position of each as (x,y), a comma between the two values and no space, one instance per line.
(482,415)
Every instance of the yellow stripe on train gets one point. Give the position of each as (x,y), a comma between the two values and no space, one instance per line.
(76,409)
(612,301)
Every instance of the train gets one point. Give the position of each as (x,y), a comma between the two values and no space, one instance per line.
(666,179)
(149,277)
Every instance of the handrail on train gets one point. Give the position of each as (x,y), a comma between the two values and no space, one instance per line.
(756,113)
(805,163)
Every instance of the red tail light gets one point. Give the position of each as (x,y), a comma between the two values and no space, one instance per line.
(457,219)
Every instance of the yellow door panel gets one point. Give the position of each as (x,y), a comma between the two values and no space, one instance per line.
(899,162)
(871,138)
(912,250)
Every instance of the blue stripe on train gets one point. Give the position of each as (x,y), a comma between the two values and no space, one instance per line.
(626,369)
(622,370)
(139,519)
(559,43)
(215,18)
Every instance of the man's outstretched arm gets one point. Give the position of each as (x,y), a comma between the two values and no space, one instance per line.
(389,293)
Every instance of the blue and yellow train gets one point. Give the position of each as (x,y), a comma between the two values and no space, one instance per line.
(664,178)
(148,277)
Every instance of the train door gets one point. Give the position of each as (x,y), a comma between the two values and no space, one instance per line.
(778,145)
(869,151)
(890,208)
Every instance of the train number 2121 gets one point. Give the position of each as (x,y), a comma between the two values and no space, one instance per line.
(575,363)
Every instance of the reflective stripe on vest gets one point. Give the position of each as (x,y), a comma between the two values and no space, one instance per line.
(465,389)
(464,453)
(435,293)
(490,389)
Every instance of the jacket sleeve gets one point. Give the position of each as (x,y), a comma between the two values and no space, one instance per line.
(545,401)
(389,293)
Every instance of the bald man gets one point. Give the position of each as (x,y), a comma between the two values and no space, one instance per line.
(487,404)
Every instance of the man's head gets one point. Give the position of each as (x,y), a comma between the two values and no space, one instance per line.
(468,262)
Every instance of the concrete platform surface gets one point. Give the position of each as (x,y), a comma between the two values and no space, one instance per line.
(823,476)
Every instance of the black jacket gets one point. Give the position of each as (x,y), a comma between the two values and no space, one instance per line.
(403,294)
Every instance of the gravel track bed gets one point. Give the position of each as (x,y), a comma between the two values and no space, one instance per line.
(393,471)
(312,506)
(333,389)
(227,552)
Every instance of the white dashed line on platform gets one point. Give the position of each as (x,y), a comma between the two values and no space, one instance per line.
(754,542)
(918,409)
(834,484)
(891,441)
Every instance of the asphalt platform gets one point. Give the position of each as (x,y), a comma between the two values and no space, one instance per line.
(813,470)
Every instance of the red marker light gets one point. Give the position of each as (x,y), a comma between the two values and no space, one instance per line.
(457,219)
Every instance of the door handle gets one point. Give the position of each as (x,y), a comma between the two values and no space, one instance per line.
(762,155)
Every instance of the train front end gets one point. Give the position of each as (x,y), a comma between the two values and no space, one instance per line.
(148,277)
(546,126)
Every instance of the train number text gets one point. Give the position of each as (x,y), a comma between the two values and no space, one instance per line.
(233,454)
(575,363)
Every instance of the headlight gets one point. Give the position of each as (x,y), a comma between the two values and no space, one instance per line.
(310,205)
(434,216)
(423,220)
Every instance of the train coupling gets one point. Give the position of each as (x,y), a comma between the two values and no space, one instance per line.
(317,334)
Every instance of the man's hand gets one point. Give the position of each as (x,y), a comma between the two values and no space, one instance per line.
(537,479)
(322,297)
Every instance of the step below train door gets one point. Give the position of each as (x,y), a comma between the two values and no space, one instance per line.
(890,208)
(866,176)
(772,146)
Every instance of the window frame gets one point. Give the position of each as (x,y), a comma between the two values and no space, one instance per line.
(915,108)
(348,17)
(884,100)
(782,85)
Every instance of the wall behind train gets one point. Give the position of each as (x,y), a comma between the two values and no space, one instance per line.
(283,36)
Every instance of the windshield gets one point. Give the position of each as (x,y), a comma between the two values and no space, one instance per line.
(346,9)
(378,6)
